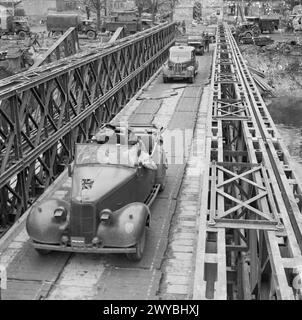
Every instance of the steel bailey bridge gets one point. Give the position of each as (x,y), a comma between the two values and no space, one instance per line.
(45,110)
(247,241)
(250,217)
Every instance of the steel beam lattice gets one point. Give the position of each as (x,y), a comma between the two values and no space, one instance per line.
(65,46)
(249,244)
(44,111)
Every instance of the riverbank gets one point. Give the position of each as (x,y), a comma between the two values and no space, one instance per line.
(281,63)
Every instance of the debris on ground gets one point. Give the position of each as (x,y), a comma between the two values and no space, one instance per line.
(281,65)
(18,55)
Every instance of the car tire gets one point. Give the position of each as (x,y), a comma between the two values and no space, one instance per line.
(165,79)
(191,79)
(42,252)
(140,247)
(91,35)
(21,35)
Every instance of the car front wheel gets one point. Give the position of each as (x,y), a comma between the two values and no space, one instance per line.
(140,247)
(91,35)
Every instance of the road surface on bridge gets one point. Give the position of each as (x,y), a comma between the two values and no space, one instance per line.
(166,270)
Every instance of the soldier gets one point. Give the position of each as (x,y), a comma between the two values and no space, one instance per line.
(183,26)
(206,42)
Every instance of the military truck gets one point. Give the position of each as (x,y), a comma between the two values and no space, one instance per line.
(10,25)
(58,23)
(247,30)
(128,20)
(265,23)
(197,41)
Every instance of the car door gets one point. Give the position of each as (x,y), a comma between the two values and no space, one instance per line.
(195,62)
(145,178)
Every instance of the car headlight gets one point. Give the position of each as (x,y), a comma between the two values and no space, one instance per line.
(60,214)
(105,215)
(191,68)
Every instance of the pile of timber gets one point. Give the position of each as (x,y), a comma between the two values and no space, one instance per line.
(258,77)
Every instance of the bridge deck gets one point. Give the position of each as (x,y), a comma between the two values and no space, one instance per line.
(164,271)
(227,226)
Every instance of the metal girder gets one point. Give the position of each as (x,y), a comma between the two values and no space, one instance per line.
(44,111)
(67,45)
(250,197)
(119,33)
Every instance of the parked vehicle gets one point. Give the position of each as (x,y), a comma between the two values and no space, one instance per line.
(182,64)
(198,43)
(247,30)
(10,25)
(115,179)
(130,27)
(58,23)
(129,20)
(297,23)
(211,31)
(265,23)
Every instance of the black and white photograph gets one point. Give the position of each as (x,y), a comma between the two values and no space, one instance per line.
(150,154)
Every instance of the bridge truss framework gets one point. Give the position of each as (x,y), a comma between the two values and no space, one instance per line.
(249,244)
(44,111)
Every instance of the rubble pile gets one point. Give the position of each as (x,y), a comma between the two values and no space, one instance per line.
(281,64)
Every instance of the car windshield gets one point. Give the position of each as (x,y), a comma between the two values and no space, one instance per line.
(180,56)
(106,154)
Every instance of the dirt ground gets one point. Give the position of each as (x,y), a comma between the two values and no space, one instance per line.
(282,64)
(15,48)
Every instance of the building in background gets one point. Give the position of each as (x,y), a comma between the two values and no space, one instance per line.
(67,5)
(38,7)
(116,5)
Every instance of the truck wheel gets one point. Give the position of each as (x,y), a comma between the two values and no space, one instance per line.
(91,34)
(57,33)
(140,247)
(21,34)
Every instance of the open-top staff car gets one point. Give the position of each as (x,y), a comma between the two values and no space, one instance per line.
(182,64)
(115,179)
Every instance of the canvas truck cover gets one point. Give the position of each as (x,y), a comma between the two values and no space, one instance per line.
(62,21)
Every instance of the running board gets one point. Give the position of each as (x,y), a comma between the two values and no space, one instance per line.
(152,195)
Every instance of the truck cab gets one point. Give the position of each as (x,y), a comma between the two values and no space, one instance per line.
(182,64)
(88,27)
(58,23)
(197,42)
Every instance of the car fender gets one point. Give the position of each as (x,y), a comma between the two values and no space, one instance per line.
(42,226)
(125,226)
(165,70)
